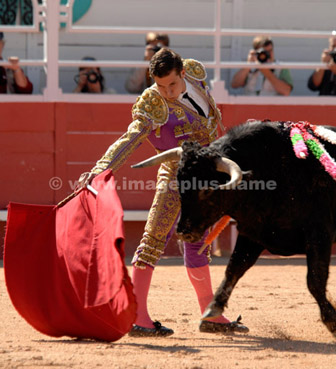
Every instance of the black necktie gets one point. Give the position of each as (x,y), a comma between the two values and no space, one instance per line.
(194,104)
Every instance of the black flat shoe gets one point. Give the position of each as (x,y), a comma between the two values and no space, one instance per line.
(212,327)
(158,331)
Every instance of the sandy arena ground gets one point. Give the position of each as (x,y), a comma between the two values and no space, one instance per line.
(284,321)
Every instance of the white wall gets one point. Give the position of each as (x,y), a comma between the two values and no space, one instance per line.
(257,14)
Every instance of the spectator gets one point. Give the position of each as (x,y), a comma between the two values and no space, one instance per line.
(140,79)
(324,80)
(89,79)
(263,81)
(12,78)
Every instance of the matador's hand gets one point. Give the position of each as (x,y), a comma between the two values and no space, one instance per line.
(85,179)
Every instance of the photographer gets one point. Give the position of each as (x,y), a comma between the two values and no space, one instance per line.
(139,78)
(12,78)
(266,82)
(324,80)
(89,79)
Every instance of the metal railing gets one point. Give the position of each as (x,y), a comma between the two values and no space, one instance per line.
(45,14)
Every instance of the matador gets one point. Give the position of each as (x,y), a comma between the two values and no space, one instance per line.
(178,107)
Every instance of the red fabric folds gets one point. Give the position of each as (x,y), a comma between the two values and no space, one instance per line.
(64,267)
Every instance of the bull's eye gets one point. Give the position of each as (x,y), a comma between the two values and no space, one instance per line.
(204,194)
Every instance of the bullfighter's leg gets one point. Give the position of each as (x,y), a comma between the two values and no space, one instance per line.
(161,218)
(243,257)
(318,260)
(198,271)
(199,275)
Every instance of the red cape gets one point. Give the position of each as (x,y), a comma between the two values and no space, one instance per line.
(64,267)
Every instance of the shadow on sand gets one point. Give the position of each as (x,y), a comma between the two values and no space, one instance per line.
(244,342)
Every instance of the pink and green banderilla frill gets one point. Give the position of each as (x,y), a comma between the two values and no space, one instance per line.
(303,142)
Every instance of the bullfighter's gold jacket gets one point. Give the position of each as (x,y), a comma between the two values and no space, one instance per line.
(166,124)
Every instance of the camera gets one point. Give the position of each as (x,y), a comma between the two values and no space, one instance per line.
(92,76)
(333,54)
(157,47)
(262,55)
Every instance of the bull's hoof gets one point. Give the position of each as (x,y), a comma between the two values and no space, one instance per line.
(331,327)
(212,312)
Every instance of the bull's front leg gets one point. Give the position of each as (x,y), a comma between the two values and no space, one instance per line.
(318,260)
(243,257)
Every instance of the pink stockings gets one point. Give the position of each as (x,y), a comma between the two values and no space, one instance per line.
(141,281)
(201,281)
(199,278)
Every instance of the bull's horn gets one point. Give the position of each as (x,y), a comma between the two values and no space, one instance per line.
(172,154)
(232,169)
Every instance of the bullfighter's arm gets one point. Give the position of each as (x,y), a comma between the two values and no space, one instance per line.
(118,152)
(149,111)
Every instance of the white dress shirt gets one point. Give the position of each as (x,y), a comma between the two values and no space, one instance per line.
(196,96)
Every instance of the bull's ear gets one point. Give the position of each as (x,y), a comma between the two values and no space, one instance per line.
(205,193)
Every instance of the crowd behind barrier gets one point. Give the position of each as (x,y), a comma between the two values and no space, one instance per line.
(128,78)
(252,79)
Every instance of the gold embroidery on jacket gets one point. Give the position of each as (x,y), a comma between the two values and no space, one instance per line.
(195,69)
(179,112)
(118,152)
(187,130)
(166,203)
(152,106)
(178,131)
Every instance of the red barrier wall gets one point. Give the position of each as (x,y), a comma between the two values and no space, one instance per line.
(27,152)
(42,143)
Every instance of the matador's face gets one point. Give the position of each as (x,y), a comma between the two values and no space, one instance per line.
(172,85)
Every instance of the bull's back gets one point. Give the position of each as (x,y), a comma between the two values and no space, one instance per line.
(303,190)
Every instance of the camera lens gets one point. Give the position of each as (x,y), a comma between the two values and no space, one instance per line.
(262,55)
(92,77)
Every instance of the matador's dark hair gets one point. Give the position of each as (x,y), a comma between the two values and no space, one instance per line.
(164,61)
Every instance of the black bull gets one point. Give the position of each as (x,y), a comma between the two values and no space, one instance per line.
(282,204)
